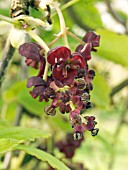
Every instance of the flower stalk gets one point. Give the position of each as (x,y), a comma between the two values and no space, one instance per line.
(62,24)
(45,47)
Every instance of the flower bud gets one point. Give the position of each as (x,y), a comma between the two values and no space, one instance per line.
(94,132)
(85,97)
(50,110)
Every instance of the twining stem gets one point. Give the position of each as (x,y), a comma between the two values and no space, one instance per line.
(62,24)
(45,47)
(113,13)
(7,57)
(119,87)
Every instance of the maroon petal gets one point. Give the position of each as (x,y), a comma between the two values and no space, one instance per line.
(57,73)
(30,62)
(58,53)
(68,80)
(35,81)
(78,60)
(85,50)
(93,38)
(42,67)
(30,50)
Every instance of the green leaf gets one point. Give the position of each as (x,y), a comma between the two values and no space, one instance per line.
(44,156)
(90,15)
(8,144)
(101,91)
(23,98)
(10,96)
(22,134)
(32,105)
(113,47)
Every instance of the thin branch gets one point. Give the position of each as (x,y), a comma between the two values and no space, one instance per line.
(114,14)
(119,87)
(6,60)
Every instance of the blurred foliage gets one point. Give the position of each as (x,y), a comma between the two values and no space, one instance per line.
(108,150)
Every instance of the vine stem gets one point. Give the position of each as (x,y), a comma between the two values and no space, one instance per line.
(45,47)
(62,24)
(113,13)
(7,57)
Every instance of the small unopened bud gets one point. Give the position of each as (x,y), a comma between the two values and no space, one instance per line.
(89,87)
(62,108)
(50,110)
(68,108)
(92,72)
(85,96)
(81,83)
(89,105)
(94,132)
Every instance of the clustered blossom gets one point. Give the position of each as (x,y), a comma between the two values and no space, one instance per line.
(69,84)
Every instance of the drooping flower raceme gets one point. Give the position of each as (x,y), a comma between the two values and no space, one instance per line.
(69,84)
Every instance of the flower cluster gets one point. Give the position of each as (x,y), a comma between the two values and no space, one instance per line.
(69,84)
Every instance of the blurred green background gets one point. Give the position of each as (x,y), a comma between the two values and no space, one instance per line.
(108,150)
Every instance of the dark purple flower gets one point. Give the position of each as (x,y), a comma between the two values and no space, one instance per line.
(90,122)
(64,108)
(32,53)
(79,130)
(92,40)
(78,102)
(64,65)
(85,50)
(40,89)
(90,74)
(75,118)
